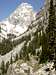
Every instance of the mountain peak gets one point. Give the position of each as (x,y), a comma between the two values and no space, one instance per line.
(24,13)
(19,21)
(25,4)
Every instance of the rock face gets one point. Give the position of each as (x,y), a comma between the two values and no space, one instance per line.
(25,69)
(46,69)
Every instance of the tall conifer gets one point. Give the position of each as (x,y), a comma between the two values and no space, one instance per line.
(51,32)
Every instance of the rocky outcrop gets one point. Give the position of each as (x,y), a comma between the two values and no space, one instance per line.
(28,68)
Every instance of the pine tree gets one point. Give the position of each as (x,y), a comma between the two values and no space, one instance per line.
(44,53)
(29,48)
(3,67)
(16,58)
(7,66)
(39,39)
(11,60)
(51,32)
(0,29)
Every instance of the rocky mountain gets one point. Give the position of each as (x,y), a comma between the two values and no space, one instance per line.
(19,21)
(23,13)
(21,55)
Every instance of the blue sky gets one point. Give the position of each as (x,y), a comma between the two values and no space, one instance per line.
(8,6)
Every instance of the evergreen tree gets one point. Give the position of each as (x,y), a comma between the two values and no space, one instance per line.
(7,66)
(0,29)
(11,60)
(25,52)
(16,58)
(44,53)
(20,54)
(39,39)
(29,48)
(51,32)
(3,67)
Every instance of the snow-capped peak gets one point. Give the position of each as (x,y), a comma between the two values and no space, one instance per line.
(23,14)
(20,19)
